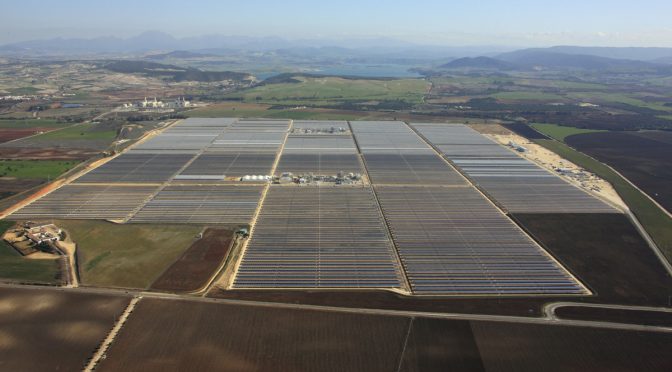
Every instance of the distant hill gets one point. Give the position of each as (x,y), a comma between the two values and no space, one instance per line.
(478,63)
(542,58)
(175,73)
(178,54)
(632,53)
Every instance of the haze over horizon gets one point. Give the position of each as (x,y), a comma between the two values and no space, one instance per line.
(429,22)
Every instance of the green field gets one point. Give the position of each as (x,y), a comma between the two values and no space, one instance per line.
(656,222)
(15,267)
(619,98)
(24,90)
(249,110)
(560,132)
(127,256)
(31,123)
(78,132)
(34,169)
(528,96)
(332,90)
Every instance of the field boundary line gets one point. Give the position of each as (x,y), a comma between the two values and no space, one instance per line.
(253,221)
(102,350)
(403,349)
(386,224)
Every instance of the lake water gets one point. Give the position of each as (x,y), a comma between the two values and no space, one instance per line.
(363,70)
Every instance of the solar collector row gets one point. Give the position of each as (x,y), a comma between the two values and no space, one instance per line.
(137,168)
(319,155)
(319,237)
(87,202)
(517,184)
(453,242)
(201,204)
(231,164)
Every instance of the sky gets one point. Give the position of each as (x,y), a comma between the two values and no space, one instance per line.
(429,22)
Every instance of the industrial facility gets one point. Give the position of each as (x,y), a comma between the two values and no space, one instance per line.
(419,209)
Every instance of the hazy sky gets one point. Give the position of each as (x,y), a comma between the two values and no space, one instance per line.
(484,22)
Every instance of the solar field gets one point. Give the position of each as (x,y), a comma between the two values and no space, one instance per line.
(515,183)
(319,236)
(413,223)
(453,241)
(231,205)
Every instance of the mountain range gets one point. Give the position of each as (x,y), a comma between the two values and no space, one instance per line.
(155,45)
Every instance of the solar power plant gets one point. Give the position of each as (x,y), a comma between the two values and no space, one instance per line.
(318,163)
(402,168)
(248,141)
(137,168)
(319,154)
(87,202)
(189,142)
(319,124)
(452,241)
(320,143)
(515,183)
(451,134)
(219,165)
(202,205)
(261,125)
(206,122)
(319,237)
(386,136)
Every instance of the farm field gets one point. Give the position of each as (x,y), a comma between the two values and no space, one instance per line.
(528,96)
(560,132)
(166,335)
(46,153)
(530,347)
(642,157)
(16,268)
(655,221)
(652,318)
(45,330)
(606,97)
(32,123)
(195,267)
(328,91)
(34,169)
(127,256)
(77,136)
(606,252)
(78,132)
(14,129)
(178,335)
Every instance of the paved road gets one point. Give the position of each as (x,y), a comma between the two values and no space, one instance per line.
(547,320)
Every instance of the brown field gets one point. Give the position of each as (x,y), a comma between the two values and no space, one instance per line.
(172,335)
(10,134)
(165,336)
(441,345)
(43,330)
(653,318)
(642,157)
(9,187)
(525,130)
(194,269)
(606,252)
(46,153)
(526,347)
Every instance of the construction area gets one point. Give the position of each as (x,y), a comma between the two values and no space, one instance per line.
(417,209)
